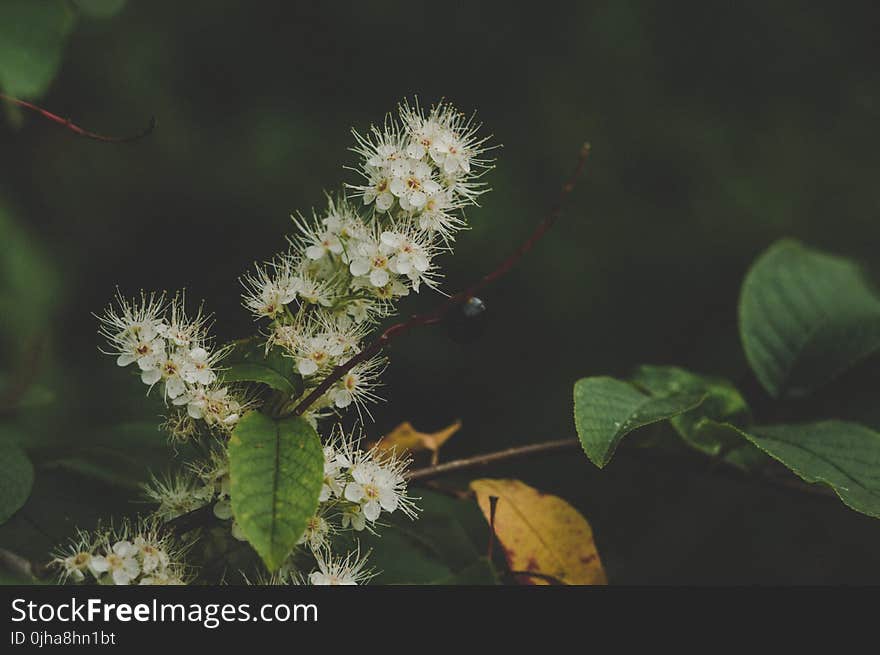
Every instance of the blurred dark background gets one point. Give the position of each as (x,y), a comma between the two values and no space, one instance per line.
(716,129)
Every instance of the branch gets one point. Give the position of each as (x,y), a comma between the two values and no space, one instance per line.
(781,479)
(489,458)
(76,129)
(439,313)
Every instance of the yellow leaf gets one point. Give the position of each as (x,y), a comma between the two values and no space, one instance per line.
(406,437)
(541,533)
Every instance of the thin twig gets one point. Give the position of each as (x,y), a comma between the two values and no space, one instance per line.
(439,313)
(76,129)
(488,458)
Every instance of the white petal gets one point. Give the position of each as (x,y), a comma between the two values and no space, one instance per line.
(342,398)
(384,201)
(306,366)
(417,199)
(388,499)
(372,510)
(397,186)
(391,239)
(359,267)
(121,577)
(122,548)
(354,492)
(98,564)
(379,277)
(198,355)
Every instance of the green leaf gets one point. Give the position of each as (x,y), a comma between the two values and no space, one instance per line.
(843,455)
(722,402)
(249,362)
(16,479)
(606,410)
(32,37)
(276,469)
(805,317)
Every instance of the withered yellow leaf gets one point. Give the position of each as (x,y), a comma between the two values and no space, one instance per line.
(406,437)
(541,533)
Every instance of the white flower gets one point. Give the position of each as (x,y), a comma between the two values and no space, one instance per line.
(198,366)
(343,220)
(181,331)
(270,288)
(387,293)
(411,255)
(121,563)
(357,386)
(169,369)
(362,310)
(134,329)
(446,137)
(316,353)
(348,570)
(437,215)
(314,291)
(151,555)
(317,533)
(412,184)
(76,565)
(382,153)
(213,405)
(378,485)
(371,258)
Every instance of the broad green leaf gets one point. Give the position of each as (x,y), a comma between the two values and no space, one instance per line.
(276,469)
(606,410)
(805,317)
(249,362)
(16,479)
(843,455)
(722,402)
(32,38)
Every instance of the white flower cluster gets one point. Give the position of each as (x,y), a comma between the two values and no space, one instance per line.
(173,350)
(128,556)
(359,485)
(342,274)
(346,267)
(423,168)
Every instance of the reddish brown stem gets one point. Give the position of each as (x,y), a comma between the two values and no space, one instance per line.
(76,129)
(440,312)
